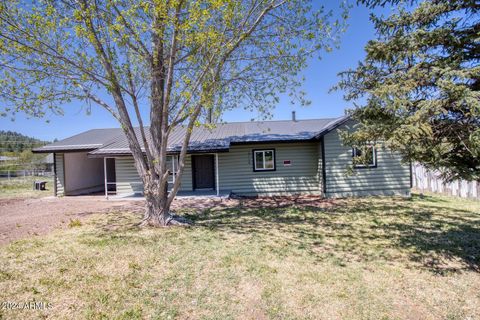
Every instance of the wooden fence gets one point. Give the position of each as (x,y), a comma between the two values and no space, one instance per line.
(426,180)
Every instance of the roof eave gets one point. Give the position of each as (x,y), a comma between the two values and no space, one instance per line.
(334,125)
(59,150)
(274,141)
(128,153)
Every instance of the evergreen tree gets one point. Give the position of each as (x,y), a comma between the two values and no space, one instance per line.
(11,141)
(420,81)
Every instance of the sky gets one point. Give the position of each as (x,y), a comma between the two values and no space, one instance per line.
(320,76)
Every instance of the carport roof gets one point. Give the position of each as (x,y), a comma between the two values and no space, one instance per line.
(105,142)
(85,141)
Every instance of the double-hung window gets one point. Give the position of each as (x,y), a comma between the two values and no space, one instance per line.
(264,160)
(364,156)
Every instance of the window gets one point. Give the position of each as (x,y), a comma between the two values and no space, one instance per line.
(172,167)
(264,160)
(364,156)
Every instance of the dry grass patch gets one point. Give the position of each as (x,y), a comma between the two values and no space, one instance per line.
(259,259)
(22,187)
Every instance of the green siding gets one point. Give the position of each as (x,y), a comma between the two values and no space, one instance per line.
(390,177)
(126,175)
(60,175)
(187,181)
(128,180)
(236,170)
(303,176)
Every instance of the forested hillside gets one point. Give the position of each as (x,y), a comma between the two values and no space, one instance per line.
(11,141)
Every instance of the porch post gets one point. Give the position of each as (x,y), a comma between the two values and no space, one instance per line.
(216,175)
(105,176)
(173,168)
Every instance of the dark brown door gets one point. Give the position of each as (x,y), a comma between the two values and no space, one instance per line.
(203,172)
(111,176)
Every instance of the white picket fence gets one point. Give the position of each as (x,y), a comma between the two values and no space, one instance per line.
(426,180)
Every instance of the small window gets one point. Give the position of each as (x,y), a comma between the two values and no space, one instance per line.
(364,156)
(264,160)
(172,166)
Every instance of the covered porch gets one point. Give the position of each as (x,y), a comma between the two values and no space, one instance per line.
(200,177)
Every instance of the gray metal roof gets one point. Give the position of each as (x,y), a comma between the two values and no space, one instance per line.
(113,142)
(88,140)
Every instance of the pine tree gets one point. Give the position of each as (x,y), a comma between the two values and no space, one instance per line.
(420,81)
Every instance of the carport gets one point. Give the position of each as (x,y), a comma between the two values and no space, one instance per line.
(76,172)
(81,174)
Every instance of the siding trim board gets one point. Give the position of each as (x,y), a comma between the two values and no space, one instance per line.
(64,175)
(54,174)
(324,169)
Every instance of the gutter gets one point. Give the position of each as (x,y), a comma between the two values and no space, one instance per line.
(324,169)
(126,153)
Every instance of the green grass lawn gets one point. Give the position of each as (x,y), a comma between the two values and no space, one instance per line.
(22,187)
(375,258)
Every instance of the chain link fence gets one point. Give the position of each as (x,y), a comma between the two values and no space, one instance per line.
(19,174)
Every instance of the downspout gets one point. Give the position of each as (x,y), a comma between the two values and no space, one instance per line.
(105,176)
(216,175)
(324,169)
(174,157)
(55,174)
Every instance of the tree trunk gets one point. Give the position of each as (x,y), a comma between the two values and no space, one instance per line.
(157,207)
(157,213)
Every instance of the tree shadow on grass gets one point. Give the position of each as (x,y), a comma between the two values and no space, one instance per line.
(114,227)
(414,232)
(419,232)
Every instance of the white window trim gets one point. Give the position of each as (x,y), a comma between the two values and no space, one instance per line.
(174,161)
(263,152)
(374,157)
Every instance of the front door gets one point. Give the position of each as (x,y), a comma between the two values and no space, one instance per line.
(203,172)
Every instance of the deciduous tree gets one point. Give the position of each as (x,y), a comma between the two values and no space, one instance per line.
(171,62)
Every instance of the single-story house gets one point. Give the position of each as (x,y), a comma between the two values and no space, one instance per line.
(242,158)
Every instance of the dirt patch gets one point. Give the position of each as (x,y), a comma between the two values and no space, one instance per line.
(22,218)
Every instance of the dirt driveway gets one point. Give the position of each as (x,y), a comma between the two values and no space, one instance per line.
(26,217)
(21,218)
